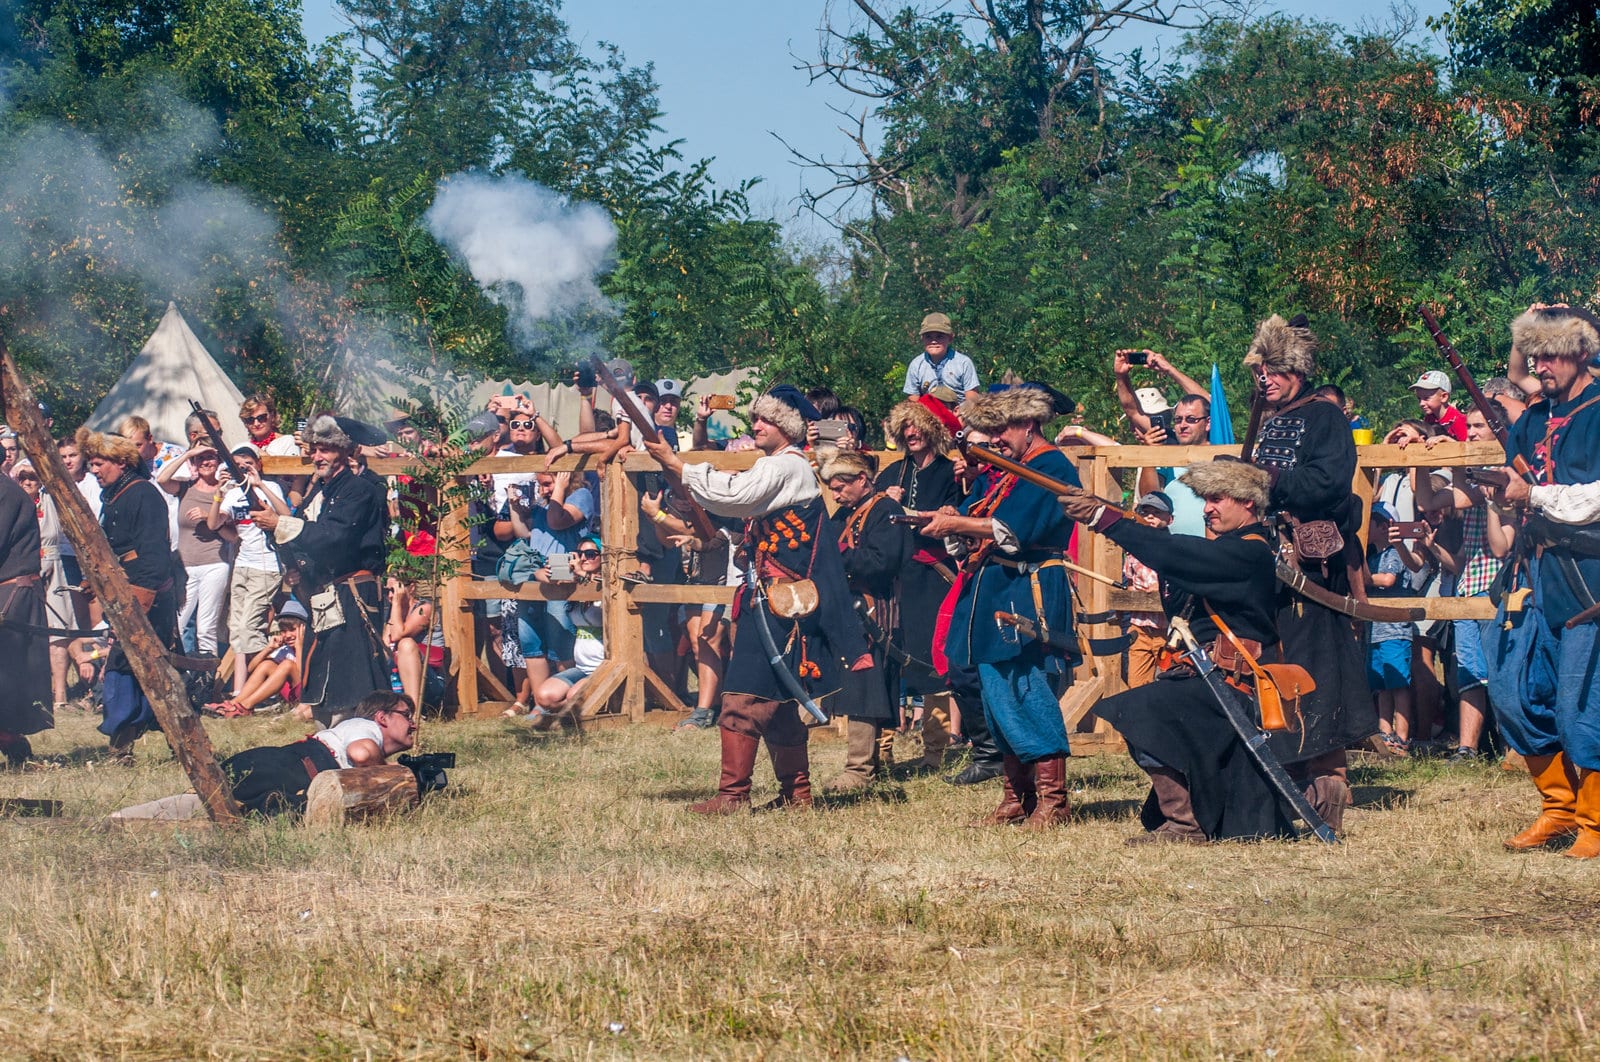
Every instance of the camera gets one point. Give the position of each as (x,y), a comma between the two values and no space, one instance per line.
(585,376)
(1138,357)
(1163,420)
(429,767)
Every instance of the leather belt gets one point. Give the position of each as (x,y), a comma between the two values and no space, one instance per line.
(362,576)
(1029,567)
(20,580)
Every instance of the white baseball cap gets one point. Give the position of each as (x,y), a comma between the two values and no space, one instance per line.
(1432,380)
(1151,400)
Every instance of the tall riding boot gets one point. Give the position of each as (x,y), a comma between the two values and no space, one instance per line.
(1172,797)
(935,730)
(1050,782)
(1019,797)
(738,762)
(860,758)
(886,749)
(985,753)
(792,765)
(1329,794)
(1587,844)
(1557,785)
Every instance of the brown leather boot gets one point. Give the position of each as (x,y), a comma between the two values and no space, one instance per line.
(1019,797)
(1050,782)
(860,758)
(792,765)
(935,730)
(1329,795)
(1587,844)
(1172,797)
(1557,785)
(738,762)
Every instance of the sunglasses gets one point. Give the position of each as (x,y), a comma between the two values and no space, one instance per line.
(1188,420)
(259,418)
(588,554)
(522,424)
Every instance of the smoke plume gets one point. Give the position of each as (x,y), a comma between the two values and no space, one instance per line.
(528,248)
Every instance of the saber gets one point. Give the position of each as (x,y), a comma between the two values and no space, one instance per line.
(876,633)
(786,679)
(1253,737)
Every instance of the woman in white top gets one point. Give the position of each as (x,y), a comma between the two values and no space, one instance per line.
(560,694)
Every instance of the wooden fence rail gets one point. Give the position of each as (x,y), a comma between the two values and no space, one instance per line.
(621,685)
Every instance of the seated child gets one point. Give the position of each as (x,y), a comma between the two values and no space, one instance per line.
(274,671)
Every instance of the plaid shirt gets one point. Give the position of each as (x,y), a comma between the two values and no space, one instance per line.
(1481,566)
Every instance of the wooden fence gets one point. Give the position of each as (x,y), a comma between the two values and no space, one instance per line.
(623,683)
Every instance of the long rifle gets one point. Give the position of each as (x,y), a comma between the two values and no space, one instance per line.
(226,457)
(699,519)
(1568,567)
(1258,410)
(1289,576)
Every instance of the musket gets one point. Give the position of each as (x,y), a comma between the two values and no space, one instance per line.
(699,520)
(1565,564)
(1291,577)
(1253,737)
(1258,410)
(226,457)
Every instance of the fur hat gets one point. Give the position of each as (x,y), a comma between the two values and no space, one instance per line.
(929,416)
(107,447)
(1284,346)
(993,412)
(1229,479)
(786,408)
(833,461)
(325,431)
(1558,332)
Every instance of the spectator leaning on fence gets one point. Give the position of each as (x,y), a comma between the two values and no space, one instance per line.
(940,364)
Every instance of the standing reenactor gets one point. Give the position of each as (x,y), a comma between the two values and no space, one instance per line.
(803,604)
(1559,438)
(874,551)
(1013,535)
(23,696)
(1305,446)
(133,513)
(924,481)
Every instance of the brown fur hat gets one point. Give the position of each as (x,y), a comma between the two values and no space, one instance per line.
(1229,479)
(780,415)
(1284,346)
(832,461)
(1558,331)
(991,413)
(325,431)
(107,447)
(916,413)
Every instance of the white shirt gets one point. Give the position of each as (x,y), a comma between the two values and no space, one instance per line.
(1567,503)
(506,482)
(253,551)
(774,482)
(280,446)
(339,738)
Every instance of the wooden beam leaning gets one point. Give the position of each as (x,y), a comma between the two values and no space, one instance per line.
(146,655)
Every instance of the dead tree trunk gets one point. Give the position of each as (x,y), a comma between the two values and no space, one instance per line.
(146,655)
(358,793)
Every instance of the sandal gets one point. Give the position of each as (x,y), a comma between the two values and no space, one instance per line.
(516,711)
(1396,746)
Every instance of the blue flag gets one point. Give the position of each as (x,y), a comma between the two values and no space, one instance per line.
(1221,422)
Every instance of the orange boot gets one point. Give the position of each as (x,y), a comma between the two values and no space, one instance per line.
(1018,798)
(733,788)
(1587,845)
(1557,815)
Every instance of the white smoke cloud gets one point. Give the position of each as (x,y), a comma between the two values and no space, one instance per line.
(530,249)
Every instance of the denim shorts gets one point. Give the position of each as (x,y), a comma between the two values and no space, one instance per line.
(1389,665)
(1472,666)
(571,676)
(542,635)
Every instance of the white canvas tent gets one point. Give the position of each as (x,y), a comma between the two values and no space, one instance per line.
(173,367)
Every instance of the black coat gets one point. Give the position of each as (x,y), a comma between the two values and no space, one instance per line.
(348,533)
(922,588)
(25,695)
(135,518)
(872,566)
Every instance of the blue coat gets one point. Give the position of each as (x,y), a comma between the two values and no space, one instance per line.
(1034,517)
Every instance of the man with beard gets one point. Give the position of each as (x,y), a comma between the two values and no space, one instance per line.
(25,694)
(1305,446)
(1555,724)
(336,550)
(1204,786)
(792,543)
(924,481)
(1013,535)
(133,513)
(874,551)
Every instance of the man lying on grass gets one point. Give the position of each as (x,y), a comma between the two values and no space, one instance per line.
(273,779)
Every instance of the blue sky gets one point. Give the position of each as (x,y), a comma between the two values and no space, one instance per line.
(728,77)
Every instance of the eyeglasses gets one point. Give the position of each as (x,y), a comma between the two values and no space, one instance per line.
(588,554)
(259,418)
(1189,420)
(403,714)
(522,424)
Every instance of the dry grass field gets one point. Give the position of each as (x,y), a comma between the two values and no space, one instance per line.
(558,903)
